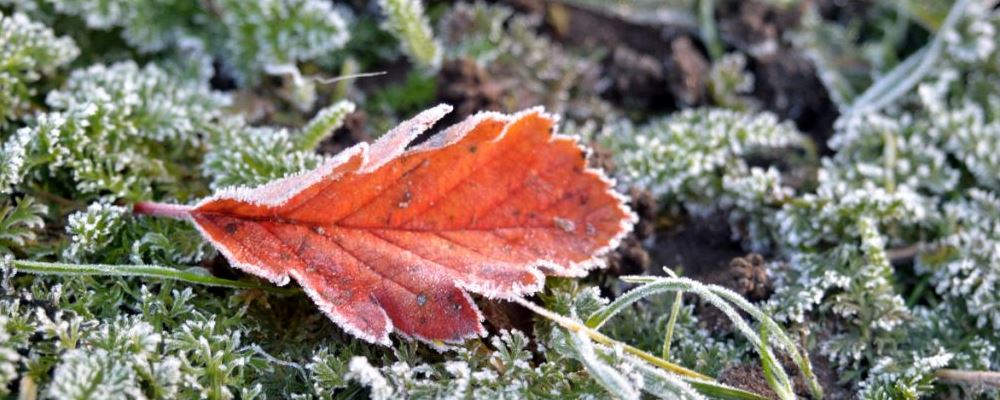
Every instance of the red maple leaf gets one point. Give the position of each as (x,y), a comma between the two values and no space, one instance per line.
(383,237)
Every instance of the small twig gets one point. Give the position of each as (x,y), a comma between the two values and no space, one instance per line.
(903,255)
(327,81)
(990,379)
(292,71)
(275,360)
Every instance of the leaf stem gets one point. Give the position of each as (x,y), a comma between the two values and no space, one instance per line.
(175,211)
(149,271)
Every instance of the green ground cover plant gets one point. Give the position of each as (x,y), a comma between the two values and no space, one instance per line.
(877,231)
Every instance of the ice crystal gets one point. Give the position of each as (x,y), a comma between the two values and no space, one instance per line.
(9,358)
(85,374)
(12,157)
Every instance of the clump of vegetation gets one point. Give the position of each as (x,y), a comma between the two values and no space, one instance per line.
(881,231)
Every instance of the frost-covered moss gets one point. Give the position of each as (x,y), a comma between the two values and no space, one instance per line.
(263,35)
(250,37)
(78,146)
(109,122)
(19,222)
(243,155)
(28,51)
(686,157)
(965,265)
(406,20)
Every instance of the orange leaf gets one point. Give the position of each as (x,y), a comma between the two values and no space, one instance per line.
(383,237)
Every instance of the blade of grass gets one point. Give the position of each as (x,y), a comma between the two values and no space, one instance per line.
(905,76)
(777,381)
(668,336)
(147,271)
(709,31)
(721,298)
(705,384)
(720,391)
(606,375)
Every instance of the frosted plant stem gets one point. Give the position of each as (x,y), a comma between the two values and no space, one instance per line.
(147,271)
(175,211)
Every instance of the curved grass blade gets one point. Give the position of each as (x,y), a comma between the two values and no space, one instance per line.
(721,298)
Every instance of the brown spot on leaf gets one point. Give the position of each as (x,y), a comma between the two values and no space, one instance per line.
(404,200)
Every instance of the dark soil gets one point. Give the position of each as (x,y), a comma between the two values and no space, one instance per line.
(700,247)
(502,315)
(747,276)
(663,67)
(748,377)
(751,377)
(785,80)
(470,88)
(353,131)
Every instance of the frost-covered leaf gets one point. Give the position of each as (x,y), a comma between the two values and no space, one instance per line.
(383,238)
